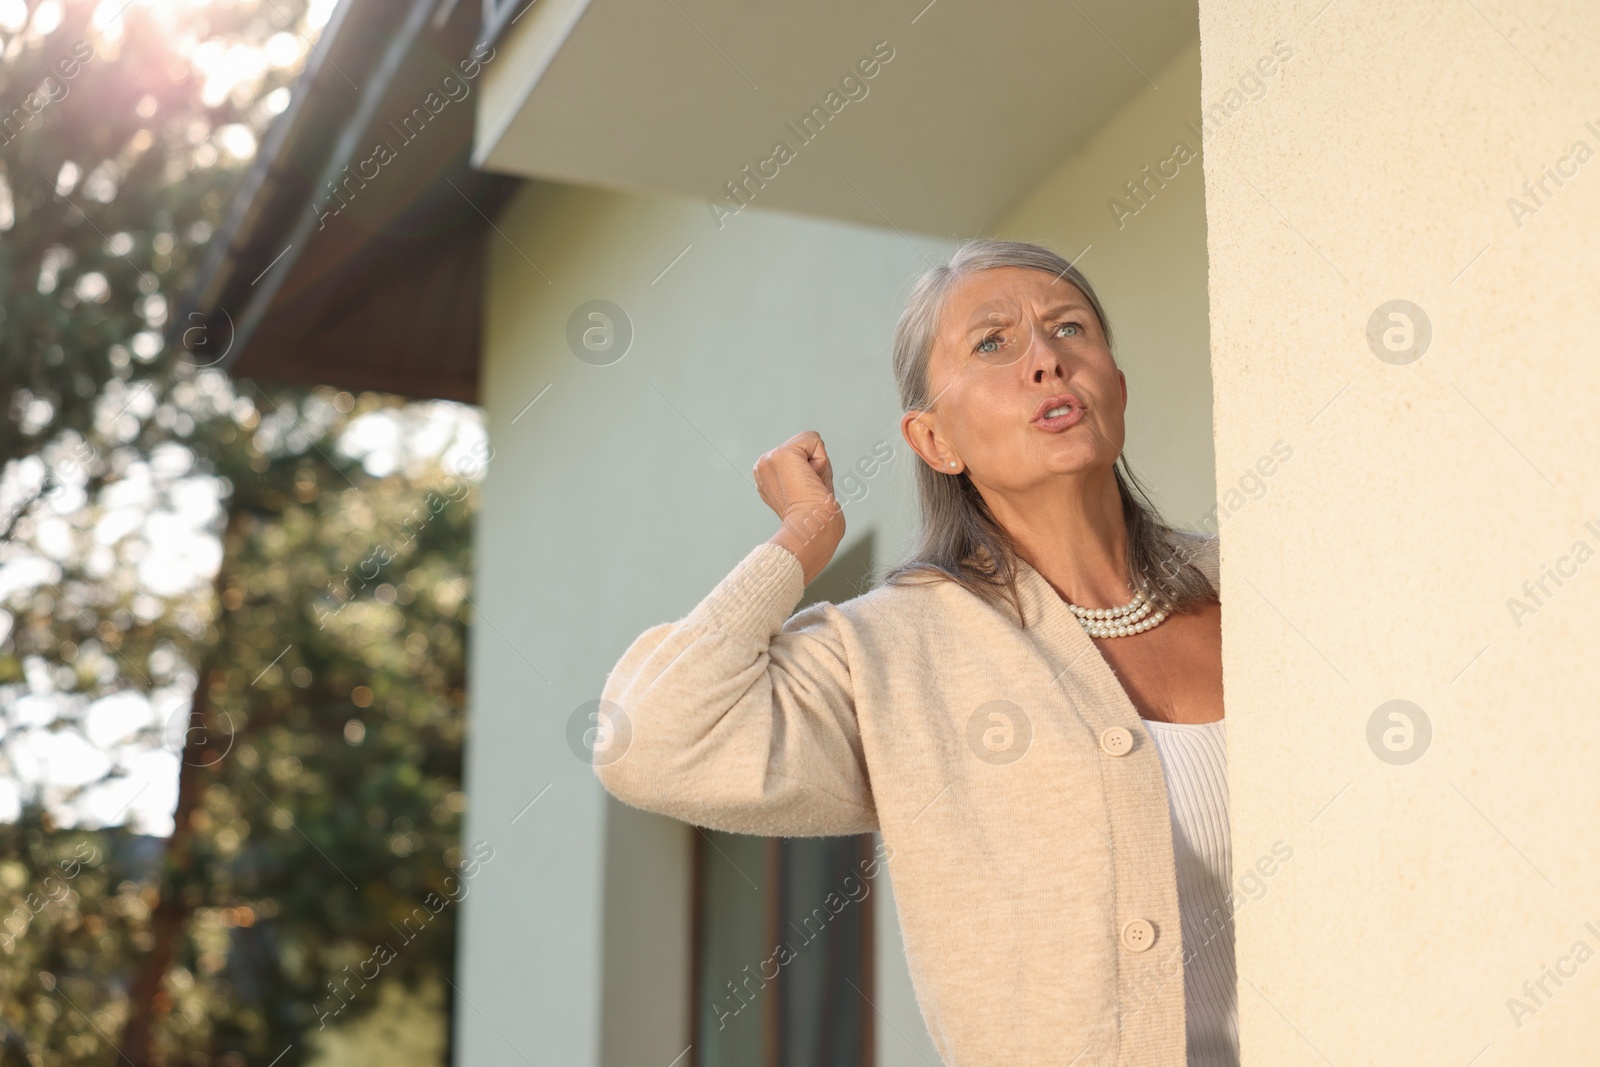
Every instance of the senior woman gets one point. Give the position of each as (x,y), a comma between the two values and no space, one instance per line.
(1029,708)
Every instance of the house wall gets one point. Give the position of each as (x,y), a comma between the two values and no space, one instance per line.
(621,495)
(615,502)
(1443,852)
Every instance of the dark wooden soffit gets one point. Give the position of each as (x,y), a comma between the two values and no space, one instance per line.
(379,286)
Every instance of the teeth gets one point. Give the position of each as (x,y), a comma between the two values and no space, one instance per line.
(1062,410)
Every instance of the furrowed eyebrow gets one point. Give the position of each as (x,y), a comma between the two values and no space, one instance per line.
(991,322)
(1059,308)
(996,319)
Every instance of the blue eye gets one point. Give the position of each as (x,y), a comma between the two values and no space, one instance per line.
(1075,325)
(992,339)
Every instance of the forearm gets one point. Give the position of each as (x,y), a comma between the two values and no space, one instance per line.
(811,539)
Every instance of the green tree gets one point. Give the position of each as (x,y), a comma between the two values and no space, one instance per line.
(315,851)
(322,771)
(321,668)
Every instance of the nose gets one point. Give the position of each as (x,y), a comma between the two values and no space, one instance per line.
(1042,362)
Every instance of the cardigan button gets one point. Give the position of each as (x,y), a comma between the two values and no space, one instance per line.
(1138,935)
(1116,741)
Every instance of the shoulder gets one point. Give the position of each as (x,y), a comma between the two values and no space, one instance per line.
(907,604)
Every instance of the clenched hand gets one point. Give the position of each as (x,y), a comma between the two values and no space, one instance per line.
(796,481)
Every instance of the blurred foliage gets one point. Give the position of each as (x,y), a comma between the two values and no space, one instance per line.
(320,674)
(325,769)
(115,170)
(341,694)
(68,927)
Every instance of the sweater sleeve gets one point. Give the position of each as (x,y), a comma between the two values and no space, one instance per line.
(740,717)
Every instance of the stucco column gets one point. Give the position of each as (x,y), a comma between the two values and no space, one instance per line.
(1403,257)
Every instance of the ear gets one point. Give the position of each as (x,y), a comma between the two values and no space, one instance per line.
(1123,380)
(920,433)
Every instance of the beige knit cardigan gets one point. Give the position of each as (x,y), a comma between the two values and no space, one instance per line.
(1031,852)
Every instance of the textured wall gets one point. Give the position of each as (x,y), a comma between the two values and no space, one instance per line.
(1440,863)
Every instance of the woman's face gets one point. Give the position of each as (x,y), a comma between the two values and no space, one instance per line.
(1012,344)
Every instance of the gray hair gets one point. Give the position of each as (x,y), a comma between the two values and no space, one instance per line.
(960,540)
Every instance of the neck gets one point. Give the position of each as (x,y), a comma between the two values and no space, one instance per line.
(1070,529)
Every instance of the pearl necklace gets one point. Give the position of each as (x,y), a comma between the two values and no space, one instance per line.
(1134,617)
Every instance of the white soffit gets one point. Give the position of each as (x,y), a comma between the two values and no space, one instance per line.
(978,103)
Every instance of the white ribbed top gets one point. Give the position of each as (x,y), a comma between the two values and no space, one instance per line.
(1194,758)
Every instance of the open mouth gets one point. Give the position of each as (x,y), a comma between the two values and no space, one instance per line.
(1058,412)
